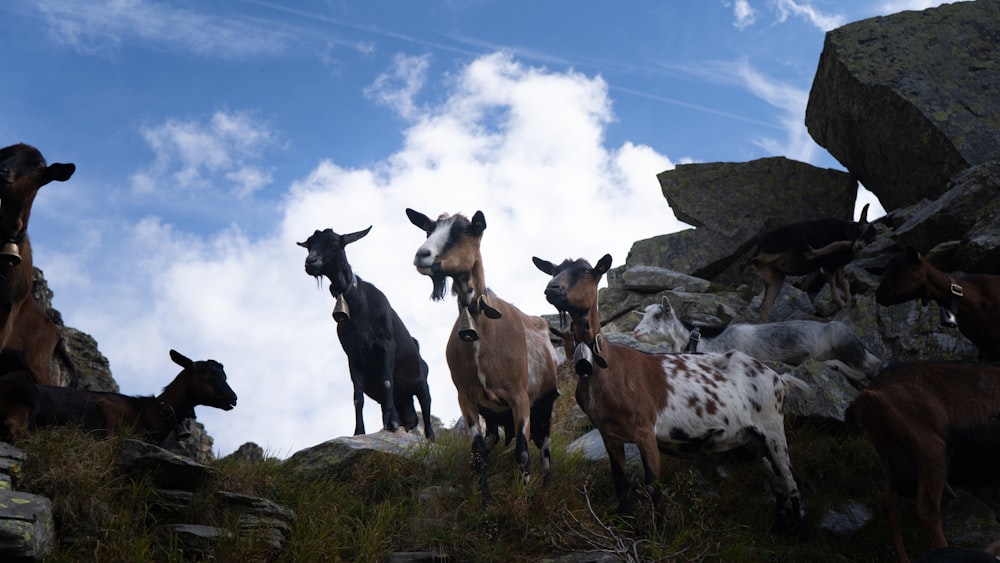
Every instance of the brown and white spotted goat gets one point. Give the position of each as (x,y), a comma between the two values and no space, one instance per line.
(680,404)
(23,324)
(972,302)
(502,362)
(199,383)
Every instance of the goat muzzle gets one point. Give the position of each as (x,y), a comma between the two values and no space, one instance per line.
(341,312)
(467,327)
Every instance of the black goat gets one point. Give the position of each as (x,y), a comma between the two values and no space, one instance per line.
(26,405)
(383,358)
(800,248)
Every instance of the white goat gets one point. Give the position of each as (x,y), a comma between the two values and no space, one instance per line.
(790,342)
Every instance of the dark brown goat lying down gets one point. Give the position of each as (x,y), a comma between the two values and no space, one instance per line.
(26,405)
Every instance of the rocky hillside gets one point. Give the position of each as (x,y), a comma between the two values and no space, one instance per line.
(908,105)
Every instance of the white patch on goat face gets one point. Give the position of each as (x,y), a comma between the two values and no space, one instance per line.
(431,250)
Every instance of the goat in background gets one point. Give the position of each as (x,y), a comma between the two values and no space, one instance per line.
(790,342)
(971,302)
(800,248)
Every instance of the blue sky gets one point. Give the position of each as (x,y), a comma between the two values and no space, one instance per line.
(209,137)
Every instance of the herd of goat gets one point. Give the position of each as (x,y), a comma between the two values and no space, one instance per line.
(928,421)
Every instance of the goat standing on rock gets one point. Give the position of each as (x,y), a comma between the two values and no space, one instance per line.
(501,360)
(680,404)
(801,248)
(384,360)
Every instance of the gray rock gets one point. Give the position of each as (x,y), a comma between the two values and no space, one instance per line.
(907,100)
(27,531)
(334,456)
(168,470)
(847,521)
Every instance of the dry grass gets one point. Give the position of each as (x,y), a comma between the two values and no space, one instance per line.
(430,502)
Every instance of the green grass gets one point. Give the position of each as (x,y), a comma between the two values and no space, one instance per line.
(430,502)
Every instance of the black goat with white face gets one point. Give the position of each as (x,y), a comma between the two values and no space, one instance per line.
(384,360)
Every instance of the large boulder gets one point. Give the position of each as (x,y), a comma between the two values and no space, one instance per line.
(960,226)
(732,204)
(906,101)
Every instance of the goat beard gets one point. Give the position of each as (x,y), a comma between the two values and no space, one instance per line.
(440,286)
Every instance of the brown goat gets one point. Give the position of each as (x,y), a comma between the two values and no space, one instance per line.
(931,423)
(502,362)
(971,301)
(680,404)
(801,248)
(23,324)
(199,383)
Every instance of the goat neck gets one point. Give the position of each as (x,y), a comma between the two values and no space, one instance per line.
(472,304)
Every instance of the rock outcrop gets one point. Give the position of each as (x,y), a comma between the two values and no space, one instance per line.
(906,101)
(731,204)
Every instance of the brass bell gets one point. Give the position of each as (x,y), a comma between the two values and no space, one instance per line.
(341,312)
(10,253)
(467,327)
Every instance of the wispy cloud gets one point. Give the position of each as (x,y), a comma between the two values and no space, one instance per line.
(98,26)
(807,11)
(744,14)
(397,87)
(192,155)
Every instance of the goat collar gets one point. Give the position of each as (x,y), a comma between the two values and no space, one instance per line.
(949,316)
(167,410)
(693,341)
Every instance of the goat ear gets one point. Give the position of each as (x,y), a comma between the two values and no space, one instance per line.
(544,265)
(864,215)
(420,220)
(478,223)
(352,237)
(912,254)
(603,265)
(59,172)
(180,359)
(665,303)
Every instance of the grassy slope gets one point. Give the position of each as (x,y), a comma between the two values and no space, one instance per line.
(431,503)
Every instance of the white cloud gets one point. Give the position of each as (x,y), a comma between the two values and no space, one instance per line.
(397,87)
(805,10)
(524,145)
(893,6)
(744,14)
(98,26)
(193,155)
